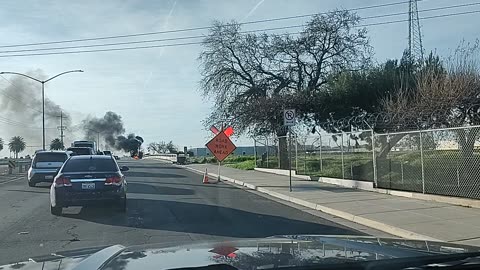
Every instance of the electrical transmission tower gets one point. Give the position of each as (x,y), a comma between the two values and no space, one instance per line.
(415,47)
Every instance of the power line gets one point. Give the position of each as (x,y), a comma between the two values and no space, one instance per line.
(11,122)
(243,32)
(197,43)
(196,28)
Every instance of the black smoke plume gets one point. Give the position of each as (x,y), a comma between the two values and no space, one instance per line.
(21,101)
(110,128)
(130,144)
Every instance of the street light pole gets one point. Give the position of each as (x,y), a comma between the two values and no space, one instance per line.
(43,93)
(43,115)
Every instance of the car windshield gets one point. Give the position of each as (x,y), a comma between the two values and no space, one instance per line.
(90,165)
(50,157)
(84,145)
(81,151)
(216,120)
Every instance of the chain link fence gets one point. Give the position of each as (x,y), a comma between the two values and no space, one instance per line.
(342,155)
(438,161)
(266,152)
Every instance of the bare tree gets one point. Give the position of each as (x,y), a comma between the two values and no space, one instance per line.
(252,77)
(441,98)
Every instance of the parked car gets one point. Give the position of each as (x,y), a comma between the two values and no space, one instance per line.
(76,151)
(89,180)
(116,157)
(45,165)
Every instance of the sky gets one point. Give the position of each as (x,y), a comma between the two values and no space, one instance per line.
(156,90)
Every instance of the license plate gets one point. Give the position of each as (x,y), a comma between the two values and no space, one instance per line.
(48,177)
(88,185)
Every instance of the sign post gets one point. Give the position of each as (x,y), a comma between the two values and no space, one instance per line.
(221,147)
(288,121)
(11,166)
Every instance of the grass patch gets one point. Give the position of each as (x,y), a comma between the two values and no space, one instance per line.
(244,165)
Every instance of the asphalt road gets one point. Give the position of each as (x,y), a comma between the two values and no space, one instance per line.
(166,204)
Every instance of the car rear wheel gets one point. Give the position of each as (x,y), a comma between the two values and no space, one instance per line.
(31,184)
(55,210)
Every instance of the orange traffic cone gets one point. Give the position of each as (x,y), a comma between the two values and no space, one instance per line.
(205,177)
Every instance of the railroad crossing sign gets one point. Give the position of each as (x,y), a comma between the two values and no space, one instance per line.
(11,164)
(289,117)
(228,130)
(221,146)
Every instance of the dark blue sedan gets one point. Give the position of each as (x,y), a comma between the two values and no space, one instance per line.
(87,180)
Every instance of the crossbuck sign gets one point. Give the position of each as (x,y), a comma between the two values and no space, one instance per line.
(289,117)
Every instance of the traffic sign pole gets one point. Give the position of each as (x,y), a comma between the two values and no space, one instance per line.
(290,158)
(221,147)
(288,121)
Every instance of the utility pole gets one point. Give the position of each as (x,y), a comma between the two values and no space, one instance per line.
(61,128)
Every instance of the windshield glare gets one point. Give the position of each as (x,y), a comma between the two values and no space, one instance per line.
(89,165)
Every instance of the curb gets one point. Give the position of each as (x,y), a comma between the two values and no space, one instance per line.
(334,212)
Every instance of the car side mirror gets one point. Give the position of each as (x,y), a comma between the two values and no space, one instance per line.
(124,169)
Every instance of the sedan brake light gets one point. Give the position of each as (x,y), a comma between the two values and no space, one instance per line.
(62,181)
(113,180)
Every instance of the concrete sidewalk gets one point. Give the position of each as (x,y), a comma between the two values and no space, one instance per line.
(403,217)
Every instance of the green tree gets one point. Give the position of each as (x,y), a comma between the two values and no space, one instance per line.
(56,144)
(16,145)
(171,148)
(253,77)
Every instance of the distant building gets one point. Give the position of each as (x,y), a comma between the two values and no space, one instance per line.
(240,151)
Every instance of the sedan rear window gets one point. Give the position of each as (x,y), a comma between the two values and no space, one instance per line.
(88,165)
(50,157)
(81,151)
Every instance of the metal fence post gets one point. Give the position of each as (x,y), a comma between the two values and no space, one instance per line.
(401,168)
(374,160)
(343,162)
(321,162)
(268,149)
(421,161)
(305,157)
(278,152)
(351,170)
(255,151)
(296,153)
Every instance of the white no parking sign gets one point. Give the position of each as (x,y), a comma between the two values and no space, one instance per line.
(289,117)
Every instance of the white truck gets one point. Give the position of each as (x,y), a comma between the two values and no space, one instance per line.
(90,144)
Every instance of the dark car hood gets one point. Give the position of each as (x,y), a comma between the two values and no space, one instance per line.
(264,253)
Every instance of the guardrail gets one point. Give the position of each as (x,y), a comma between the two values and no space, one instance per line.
(10,166)
(18,161)
(168,157)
